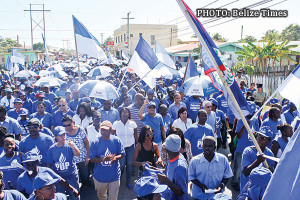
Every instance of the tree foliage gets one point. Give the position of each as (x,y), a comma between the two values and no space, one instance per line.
(7,44)
(38,46)
(248,38)
(291,33)
(218,37)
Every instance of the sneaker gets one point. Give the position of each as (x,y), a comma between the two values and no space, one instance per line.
(129,185)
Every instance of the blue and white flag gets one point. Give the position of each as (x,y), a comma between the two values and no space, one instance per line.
(46,50)
(17,57)
(285,182)
(143,59)
(163,56)
(288,89)
(211,55)
(111,59)
(9,64)
(125,56)
(191,70)
(86,42)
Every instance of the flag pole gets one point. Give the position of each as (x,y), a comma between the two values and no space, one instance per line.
(76,47)
(123,77)
(220,73)
(188,61)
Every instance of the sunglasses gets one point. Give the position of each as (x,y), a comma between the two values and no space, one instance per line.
(67,125)
(61,105)
(33,126)
(151,107)
(148,135)
(97,118)
(208,106)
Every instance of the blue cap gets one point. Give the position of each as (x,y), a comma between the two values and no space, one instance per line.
(43,179)
(124,87)
(23,112)
(32,155)
(148,185)
(8,90)
(274,100)
(151,103)
(18,100)
(252,107)
(150,92)
(265,131)
(214,101)
(292,104)
(260,176)
(59,130)
(86,99)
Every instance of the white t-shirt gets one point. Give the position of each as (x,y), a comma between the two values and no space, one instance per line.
(92,134)
(125,132)
(84,123)
(180,124)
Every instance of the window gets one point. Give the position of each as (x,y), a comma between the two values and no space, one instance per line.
(152,39)
(131,35)
(124,37)
(140,35)
(121,37)
(116,39)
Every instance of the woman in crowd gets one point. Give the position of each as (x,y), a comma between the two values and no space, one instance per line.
(83,116)
(185,149)
(280,141)
(9,194)
(78,135)
(146,150)
(182,122)
(126,130)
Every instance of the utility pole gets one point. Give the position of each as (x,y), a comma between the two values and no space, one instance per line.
(37,24)
(101,38)
(128,36)
(242,33)
(65,40)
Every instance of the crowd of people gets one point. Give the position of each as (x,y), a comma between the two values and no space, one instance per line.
(56,141)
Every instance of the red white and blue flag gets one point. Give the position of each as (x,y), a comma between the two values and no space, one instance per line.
(209,60)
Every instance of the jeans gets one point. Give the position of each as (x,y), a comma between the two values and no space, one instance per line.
(236,168)
(112,187)
(73,181)
(83,172)
(127,161)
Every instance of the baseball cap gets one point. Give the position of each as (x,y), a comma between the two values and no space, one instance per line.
(32,155)
(274,100)
(265,131)
(150,92)
(18,100)
(43,179)
(40,94)
(8,90)
(148,185)
(23,112)
(214,101)
(59,130)
(34,121)
(106,125)
(151,103)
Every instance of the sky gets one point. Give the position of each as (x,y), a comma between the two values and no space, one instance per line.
(101,16)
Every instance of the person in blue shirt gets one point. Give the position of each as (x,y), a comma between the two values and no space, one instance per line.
(9,194)
(148,188)
(75,102)
(193,105)
(127,101)
(151,97)
(23,122)
(27,103)
(291,113)
(36,140)
(105,152)
(108,112)
(220,121)
(280,141)
(197,132)
(15,112)
(29,92)
(44,117)
(250,160)
(9,123)
(60,113)
(209,170)
(167,119)
(174,107)
(170,98)
(131,91)
(243,88)
(222,103)
(155,121)
(95,105)
(61,156)
(176,170)
(61,92)
(252,88)
(40,98)
(48,95)
(273,121)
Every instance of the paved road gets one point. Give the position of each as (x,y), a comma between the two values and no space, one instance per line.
(126,194)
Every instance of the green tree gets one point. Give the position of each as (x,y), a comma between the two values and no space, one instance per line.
(38,46)
(179,41)
(271,36)
(291,33)
(7,44)
(247,39)
(218,37)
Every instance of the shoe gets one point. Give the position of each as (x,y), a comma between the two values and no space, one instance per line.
(129,185)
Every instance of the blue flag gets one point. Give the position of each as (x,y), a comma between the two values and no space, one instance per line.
(191,70)
(8,63)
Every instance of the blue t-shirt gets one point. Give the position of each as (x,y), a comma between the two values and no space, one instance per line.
(45,119)
(222,103)
(28,105)
(13,195)
(167,120)
(155,123)
(11,125)
(290,116)
(273,126)
(50,97)
(42,143)
(196,134)
(48,106)
(61,159)
(14,114)
(248,157)
(106,172)
(58,115)
(245,140)
(220,116)
(25,183)
(58,196)
(193,106)
(73,105)
(10,173)
(173,109)
(112,115)
(177,172)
